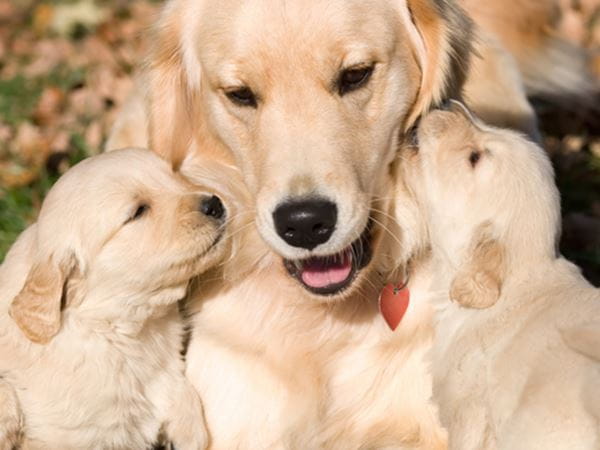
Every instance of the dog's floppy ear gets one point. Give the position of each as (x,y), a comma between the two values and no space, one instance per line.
(478,282)
(441,35)
(173,75)
(169,92)
(37,308)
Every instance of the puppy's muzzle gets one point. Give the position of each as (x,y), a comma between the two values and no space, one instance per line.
(212,207)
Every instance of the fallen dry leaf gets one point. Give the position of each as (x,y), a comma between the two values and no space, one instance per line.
(6,132)
(30,145)
(49,106)
(85,102)
(86,13)
(595,148)
(93,136)
(60,141)
(13,175)
(42,18)
(573,144)
(7,10)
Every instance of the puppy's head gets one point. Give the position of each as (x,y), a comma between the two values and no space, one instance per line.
(488,198)
(117,226)
(310,97)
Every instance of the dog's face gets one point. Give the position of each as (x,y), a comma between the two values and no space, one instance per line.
(454,173)
(123,226)
(311,98)
(488,198)
(468,174)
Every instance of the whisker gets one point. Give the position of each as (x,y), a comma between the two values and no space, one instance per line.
(396,238)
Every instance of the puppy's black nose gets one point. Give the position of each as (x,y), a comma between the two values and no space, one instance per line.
(212,207)
(305,223)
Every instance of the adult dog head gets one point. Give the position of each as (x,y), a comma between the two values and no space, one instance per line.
(310,99)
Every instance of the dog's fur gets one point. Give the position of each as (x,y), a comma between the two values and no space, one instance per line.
(304,373)
(90,333)
(265,356)
(523,372)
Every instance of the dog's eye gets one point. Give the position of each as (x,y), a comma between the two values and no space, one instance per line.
(474,157)
(242,96)
(139,212)
(353,78)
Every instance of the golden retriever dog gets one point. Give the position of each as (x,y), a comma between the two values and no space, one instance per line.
(310,100)
(90,332)
(522,370)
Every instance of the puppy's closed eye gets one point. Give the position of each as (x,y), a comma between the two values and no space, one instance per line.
(139,212)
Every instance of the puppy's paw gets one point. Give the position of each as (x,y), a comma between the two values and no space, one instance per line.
(478,283)
(476,290)
(188,436)
(186,427)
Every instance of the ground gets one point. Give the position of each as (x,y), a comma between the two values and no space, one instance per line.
(67,65)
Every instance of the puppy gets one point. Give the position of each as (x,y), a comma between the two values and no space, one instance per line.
(90,333)
(523,372)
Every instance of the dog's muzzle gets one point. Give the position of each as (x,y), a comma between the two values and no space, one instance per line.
(330,275)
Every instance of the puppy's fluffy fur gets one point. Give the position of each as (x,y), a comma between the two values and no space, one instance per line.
(523,372)
(90,334)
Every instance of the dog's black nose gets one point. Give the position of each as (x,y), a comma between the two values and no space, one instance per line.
(212,206)
(305,223)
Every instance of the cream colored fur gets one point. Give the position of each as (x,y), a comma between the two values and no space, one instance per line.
(277,366)
(278,369)
(523,373)
(90,333)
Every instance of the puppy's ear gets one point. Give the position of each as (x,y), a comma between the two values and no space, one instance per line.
(37,308)
(478,283)
(441,35)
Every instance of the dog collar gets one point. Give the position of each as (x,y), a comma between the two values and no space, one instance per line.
(393,303)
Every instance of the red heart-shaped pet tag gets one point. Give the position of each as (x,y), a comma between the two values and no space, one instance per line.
(393,303)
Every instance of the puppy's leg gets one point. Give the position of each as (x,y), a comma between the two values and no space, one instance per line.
(11,418)
(185,425)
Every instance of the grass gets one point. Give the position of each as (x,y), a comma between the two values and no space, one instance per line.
(19,97)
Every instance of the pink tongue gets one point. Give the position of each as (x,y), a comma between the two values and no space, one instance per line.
(319,273)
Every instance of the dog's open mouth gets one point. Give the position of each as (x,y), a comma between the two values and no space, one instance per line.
(331,274)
